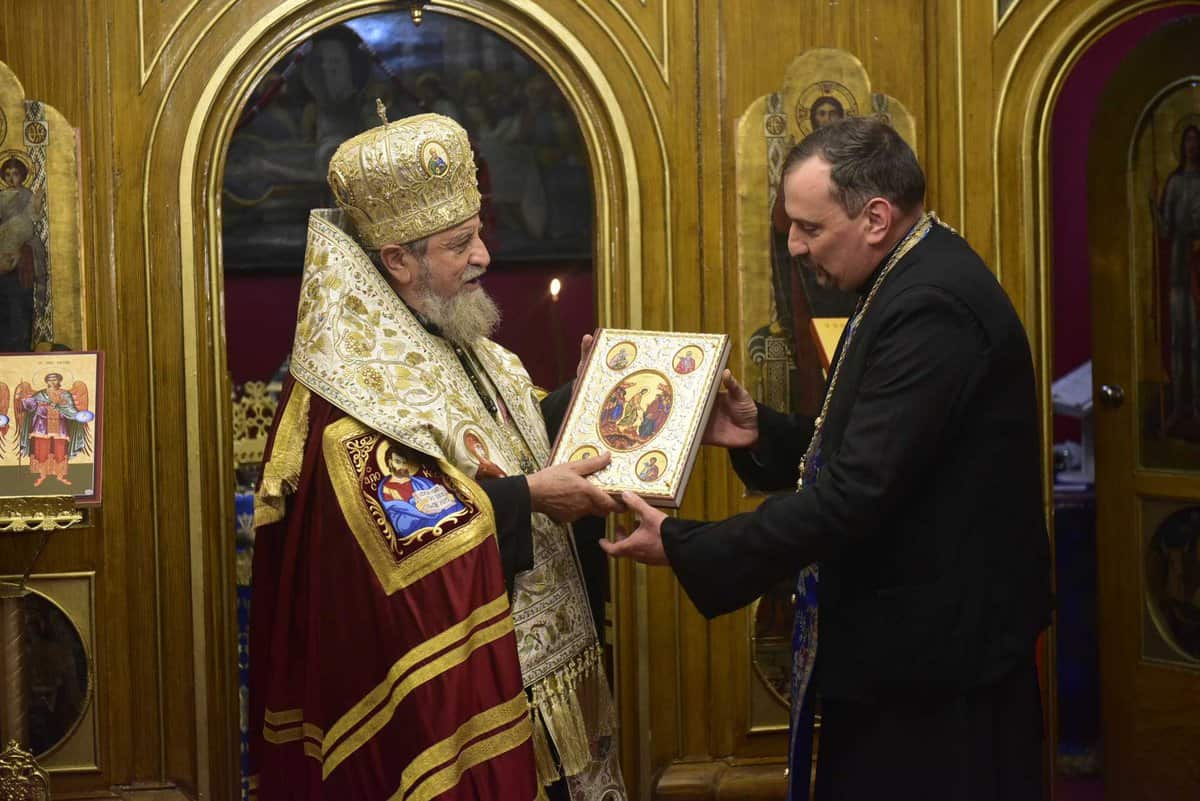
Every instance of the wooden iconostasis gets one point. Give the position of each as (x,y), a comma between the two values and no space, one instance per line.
(202,128)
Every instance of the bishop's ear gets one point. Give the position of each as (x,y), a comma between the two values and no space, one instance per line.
(399,263)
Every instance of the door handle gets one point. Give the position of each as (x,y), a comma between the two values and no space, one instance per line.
(1112,395)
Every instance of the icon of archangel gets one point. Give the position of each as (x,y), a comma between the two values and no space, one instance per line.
(51,426)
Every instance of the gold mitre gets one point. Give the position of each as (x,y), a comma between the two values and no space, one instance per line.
(405,180)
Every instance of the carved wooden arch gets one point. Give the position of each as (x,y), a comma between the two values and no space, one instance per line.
(186,149)
(1050,38)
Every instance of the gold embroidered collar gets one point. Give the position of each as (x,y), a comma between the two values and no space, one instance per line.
(359,346)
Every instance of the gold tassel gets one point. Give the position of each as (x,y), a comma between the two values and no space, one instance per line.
(547,771)
(591,691)
(578,732)
(557,701)
(281,473)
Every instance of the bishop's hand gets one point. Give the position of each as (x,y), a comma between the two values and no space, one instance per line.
(734,419)
(645,543)
(563,493)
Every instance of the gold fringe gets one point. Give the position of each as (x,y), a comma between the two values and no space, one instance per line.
(569,704)
(547,771)
(281,473)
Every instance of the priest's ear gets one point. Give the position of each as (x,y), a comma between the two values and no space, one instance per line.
(879,216)
(400,265)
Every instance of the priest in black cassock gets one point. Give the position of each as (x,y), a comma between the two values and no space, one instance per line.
(916,535)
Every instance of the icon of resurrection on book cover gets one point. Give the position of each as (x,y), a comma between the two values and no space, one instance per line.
(644,396)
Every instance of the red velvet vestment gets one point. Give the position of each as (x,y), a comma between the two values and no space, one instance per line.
(382,658)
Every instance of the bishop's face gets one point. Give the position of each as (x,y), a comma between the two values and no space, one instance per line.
(443,284)
(455,260)
(822,236)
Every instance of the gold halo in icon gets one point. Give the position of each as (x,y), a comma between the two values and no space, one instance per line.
(687,359)
(651,466)
(583,452)
(621,355)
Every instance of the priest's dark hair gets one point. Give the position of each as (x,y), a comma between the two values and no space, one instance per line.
(868,159)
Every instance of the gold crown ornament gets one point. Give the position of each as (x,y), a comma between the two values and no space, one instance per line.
(405,180)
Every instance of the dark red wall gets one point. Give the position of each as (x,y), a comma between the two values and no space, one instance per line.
(543,333)
(260,318)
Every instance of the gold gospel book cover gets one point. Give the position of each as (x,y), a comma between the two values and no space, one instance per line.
(644,396)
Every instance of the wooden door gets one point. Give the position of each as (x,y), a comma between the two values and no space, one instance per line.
(1144,221)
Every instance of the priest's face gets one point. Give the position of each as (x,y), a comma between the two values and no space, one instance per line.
(822,236)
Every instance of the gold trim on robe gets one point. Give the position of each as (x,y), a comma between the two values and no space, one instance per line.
(349,447)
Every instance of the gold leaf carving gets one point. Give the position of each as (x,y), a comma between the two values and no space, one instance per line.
(21,779)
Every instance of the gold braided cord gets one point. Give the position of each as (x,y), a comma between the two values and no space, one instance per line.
(910,241)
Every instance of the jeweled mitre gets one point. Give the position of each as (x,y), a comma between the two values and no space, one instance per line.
(405,180)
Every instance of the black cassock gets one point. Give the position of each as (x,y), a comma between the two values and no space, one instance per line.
(927,523)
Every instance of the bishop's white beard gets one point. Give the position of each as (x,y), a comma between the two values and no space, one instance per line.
(463,318)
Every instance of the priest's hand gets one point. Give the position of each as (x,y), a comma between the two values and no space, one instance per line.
(734,419)
(585,347)
(645,543)
(562,491)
